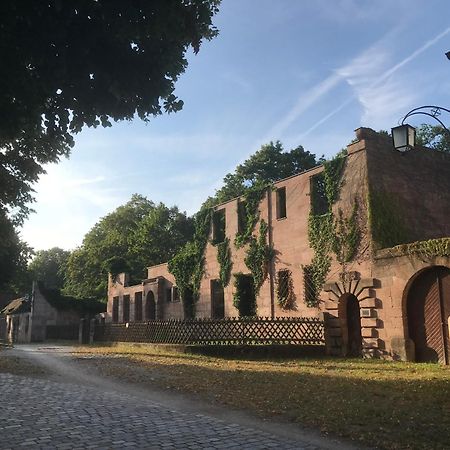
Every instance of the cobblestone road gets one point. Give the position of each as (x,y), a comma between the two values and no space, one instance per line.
(37,413)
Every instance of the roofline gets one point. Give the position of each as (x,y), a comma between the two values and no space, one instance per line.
(272,184)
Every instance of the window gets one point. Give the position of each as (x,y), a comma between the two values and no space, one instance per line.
(283,286)
(217,300)
(150,306)
(138,306)
(168,294)
(175,294)
(310,288)
(126,308)
(242,216)
(27,324)
(219,226)
(281,203)
(319,201)
(115,310)
(244,296)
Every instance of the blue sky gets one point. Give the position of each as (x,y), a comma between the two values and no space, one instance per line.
(304,72)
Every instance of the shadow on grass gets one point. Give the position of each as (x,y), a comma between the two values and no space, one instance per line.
(379,403)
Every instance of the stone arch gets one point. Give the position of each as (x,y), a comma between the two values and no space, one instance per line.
(350,319)
(150,306)
(358,294)
(426,303)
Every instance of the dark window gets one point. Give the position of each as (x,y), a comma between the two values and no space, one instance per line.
(27,324)
(242,216)
(126,308)
(319,201)
(138,306)
(175,294)
(115,310)
(217,300)
(169,294)
(283,286)
(219,226)
(245,294)
(281,203)
(150,306)
(188,303)
(309,286)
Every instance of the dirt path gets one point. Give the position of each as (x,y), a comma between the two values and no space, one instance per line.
(61,367)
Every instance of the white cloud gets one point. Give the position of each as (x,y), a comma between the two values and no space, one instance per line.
(383,97)
(303,103)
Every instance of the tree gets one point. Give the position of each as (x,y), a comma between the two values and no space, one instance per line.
(131,238)
(48,266)
(67,65)
(435,137)
(14,256)
(270,163)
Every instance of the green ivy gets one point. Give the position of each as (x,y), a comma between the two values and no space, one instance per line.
(346,235)
(320,235)
(258,256)
(426,249)
(225,262)
(252,197)
(385,216)
(332,172)
(187,265)
(321,231)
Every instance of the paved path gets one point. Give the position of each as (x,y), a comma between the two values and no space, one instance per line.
(44,413)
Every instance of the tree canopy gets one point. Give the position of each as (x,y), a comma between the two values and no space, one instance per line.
(67,64)
(131,238)
(435,137)
(48,267)
(270,163)
(14,255)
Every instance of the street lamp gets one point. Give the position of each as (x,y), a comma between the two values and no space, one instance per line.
(404,136)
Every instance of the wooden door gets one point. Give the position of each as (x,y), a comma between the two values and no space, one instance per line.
(428,315)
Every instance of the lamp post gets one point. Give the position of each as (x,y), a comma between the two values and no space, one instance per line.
(404,136)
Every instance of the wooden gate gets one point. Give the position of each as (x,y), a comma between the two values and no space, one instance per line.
(428,315)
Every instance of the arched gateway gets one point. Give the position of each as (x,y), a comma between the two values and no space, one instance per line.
(428,309)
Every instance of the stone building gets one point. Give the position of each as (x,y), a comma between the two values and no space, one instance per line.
(45,314)
(363,243)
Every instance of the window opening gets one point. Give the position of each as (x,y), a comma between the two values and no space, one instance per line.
(217,300)
(281,203)
(115,310)
(219,226)
(242,216)
(138,306)
(319,201)
(126,308)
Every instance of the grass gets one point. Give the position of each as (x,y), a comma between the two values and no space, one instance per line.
(388,404)
(18,366)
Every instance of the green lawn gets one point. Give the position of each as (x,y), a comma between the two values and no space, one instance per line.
(387,404)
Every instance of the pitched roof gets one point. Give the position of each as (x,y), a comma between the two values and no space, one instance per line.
(17,306)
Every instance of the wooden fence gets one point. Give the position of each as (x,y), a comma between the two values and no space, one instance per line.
(229,331)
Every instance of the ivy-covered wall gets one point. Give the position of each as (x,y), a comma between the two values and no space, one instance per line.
(409,193)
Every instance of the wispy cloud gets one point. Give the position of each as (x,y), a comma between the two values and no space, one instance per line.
(381,96)
(303,103)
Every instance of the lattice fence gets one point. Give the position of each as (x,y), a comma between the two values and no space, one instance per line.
(229,331)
